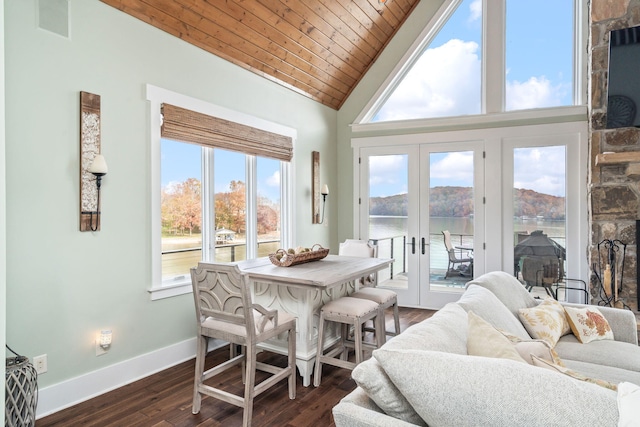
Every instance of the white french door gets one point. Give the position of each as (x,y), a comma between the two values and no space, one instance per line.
(409,195)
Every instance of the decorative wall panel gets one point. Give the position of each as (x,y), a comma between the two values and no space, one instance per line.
(89,147)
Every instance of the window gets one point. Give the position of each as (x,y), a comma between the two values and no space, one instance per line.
(445,80)
(538,63)
(209,202)
(519,67)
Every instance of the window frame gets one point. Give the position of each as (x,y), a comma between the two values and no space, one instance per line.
(156,96)
(493,77)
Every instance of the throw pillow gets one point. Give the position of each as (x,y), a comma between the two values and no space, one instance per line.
(628,404)
(547,321)
(588,324)
(485,340)
(486,305)
(537,348)
(449,389)
(573,374)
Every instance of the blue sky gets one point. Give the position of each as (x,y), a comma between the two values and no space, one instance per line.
(181,161)
(445,81)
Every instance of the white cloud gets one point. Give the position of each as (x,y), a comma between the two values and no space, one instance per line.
(475,9)
(455,168)
(274,180)
(445,81)
(541,169)
(537,92)
(387,174)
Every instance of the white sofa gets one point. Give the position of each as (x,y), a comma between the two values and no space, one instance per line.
(425,375)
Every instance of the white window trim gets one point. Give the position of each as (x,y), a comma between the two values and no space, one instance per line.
(493,65)
(156,97)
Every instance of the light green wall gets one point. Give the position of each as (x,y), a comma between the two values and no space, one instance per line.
(64,285)
(381,69)
(3,205)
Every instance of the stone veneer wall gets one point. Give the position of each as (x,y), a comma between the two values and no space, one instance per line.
(614,189)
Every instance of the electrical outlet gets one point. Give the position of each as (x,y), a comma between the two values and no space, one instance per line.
(40,363)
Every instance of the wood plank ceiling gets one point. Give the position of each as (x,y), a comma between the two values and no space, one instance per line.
(318,48)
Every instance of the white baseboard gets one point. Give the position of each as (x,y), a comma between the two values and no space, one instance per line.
(79,389)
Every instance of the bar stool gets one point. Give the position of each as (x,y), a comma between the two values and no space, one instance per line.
(347,311)
(383,297)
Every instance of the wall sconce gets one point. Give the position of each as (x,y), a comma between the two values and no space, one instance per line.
(325,193)
(92,164)
(99,169)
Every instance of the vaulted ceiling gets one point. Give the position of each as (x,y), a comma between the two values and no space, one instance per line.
(319,48)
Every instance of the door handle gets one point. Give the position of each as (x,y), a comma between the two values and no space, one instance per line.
(424,245)
(413,245)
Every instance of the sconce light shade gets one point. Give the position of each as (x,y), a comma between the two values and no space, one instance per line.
(105,338)
(325,190)
(99,166)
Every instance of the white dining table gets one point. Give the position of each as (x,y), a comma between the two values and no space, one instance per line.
(301,290)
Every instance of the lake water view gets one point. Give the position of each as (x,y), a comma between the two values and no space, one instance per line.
(383,228)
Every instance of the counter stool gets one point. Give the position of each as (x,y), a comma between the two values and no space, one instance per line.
(385,299)
(347,311)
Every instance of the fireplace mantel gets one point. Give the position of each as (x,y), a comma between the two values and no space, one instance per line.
(617,158)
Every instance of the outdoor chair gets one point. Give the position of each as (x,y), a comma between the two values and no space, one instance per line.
(224,310)
(453,259)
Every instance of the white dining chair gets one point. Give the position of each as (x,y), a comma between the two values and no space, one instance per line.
(224,310)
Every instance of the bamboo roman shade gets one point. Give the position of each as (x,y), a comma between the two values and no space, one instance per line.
(189,126)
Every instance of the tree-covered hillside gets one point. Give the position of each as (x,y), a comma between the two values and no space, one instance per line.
(458,202)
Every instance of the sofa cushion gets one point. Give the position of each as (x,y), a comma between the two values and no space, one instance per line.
(608,373)
(547,321)
(486,341)
(563,370)
(609,353)
(507,289)
(445,331)
(371,378)
(450,389)
(357,410)
(588,324)
(486,305)
(539,348)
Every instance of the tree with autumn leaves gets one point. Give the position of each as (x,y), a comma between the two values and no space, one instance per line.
(182,209)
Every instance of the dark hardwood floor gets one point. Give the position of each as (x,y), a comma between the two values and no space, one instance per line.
(164,399)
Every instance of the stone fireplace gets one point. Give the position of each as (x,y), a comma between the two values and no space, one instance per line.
(614,179)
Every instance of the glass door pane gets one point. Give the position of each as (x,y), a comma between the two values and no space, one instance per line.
(449,173)
(389,216)
(539,213)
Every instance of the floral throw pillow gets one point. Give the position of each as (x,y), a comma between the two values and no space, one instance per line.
(547,321)
(588,324)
